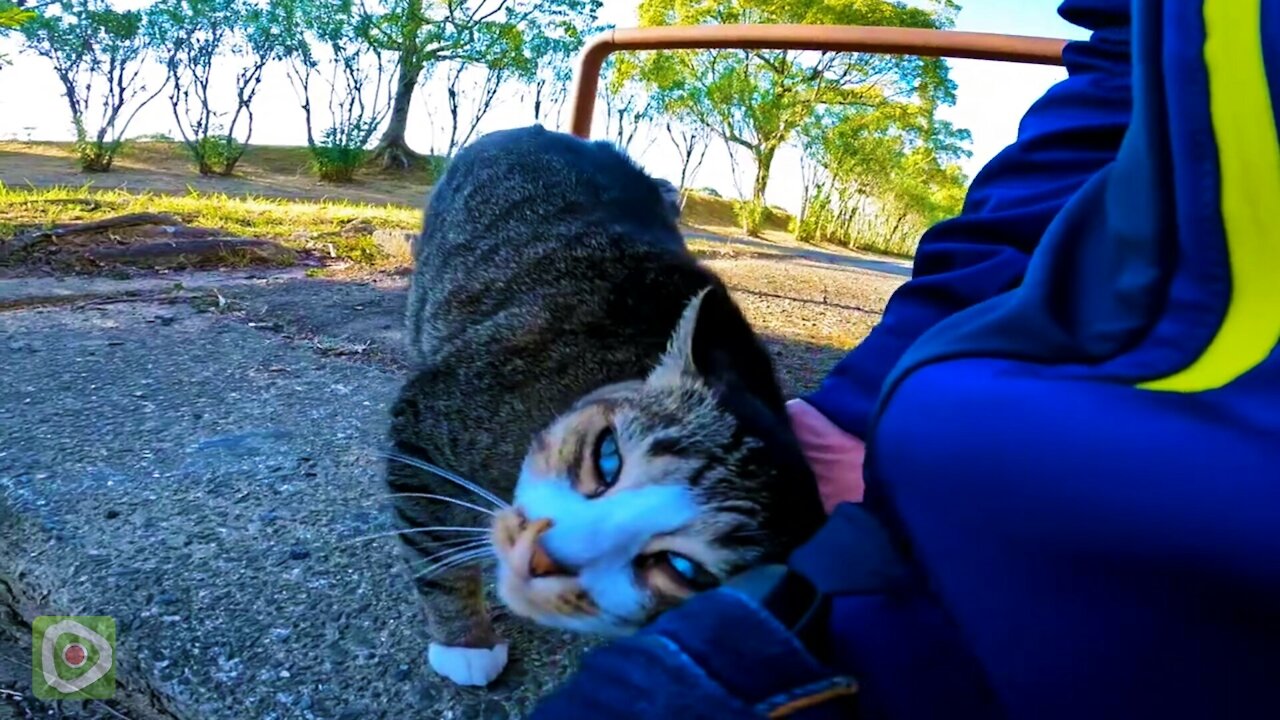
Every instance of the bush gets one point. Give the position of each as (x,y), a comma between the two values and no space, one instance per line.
(216,154)
(750,215)
(94,155)
(341,151)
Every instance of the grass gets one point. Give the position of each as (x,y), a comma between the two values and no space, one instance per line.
(272,196)
(151,154)
(300,225)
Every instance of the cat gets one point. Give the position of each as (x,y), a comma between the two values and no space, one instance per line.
(618,420)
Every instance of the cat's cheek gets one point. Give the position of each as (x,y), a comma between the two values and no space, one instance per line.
(468,666)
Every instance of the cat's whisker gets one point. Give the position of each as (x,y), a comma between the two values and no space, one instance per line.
(412,531)
(445,474)
(465,540)
(453,552)
(466,558)
(445,498)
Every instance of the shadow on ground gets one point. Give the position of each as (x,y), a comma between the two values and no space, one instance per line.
(198,470)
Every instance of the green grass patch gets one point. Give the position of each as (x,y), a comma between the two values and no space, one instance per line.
(319,226)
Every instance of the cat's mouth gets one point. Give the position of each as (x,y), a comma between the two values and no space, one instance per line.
(532,583)
(519,545)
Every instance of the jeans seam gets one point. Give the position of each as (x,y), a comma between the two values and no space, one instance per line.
(828,686)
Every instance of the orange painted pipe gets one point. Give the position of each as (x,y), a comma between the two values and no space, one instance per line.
(837,38)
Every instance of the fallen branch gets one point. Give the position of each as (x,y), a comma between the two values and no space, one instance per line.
(26,240)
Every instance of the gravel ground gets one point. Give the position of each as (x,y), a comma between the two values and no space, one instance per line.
(191,465)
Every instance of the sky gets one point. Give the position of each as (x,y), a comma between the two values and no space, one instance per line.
(990,100)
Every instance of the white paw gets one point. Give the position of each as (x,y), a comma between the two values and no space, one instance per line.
(468,666)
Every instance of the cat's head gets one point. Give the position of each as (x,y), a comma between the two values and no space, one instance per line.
(650,490)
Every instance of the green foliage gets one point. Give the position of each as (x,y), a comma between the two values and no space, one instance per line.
(315,226)
(330,48)
(202,41)
(12,16)
(98,54)
(423,33)
(216,154)
(759,100)
(750,215)
(553,43)
(885,177)
(341,151)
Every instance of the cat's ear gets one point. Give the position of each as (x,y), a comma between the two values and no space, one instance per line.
(677,362)
(714,344)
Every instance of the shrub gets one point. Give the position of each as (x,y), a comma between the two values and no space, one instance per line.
(340,152)
(750,215)
(216,154)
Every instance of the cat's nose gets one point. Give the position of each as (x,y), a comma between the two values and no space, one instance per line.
(541,563)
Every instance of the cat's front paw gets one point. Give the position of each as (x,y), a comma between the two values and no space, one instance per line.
(468,666)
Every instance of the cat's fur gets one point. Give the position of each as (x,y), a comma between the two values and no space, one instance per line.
(552,297)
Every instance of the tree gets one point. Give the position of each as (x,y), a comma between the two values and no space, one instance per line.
(691,141)
(198,39)
(424,32)
(876,180)
(506,59)
(329,50)
(628,105)
(553,47)
(758,100)
(98,54)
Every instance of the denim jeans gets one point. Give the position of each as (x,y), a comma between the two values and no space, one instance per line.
(685,666)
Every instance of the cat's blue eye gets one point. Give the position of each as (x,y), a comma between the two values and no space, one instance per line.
(684,566)
(689,572)
(608,458)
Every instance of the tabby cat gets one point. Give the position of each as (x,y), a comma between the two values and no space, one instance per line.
(621,420)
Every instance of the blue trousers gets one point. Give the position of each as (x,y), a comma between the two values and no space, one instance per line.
(1081,472)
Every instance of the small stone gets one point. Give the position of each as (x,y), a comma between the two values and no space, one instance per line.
(166,599)
(401,673)
(299,553)
(111,514)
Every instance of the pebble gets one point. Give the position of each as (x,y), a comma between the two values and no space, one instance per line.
(299,553)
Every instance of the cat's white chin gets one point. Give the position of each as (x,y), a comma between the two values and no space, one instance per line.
(468,666)
(518,593)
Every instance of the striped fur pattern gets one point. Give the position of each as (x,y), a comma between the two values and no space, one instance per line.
(554,307)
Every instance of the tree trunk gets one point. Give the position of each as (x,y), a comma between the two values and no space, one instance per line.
(392,151)
(764,163)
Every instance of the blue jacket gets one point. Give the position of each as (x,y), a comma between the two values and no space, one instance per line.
(1073,419)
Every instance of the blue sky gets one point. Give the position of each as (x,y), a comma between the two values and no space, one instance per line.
(991,98)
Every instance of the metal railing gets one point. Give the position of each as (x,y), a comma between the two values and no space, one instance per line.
(886,40)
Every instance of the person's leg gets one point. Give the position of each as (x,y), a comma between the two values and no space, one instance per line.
(1087,469)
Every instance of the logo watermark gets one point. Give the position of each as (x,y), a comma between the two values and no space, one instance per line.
(73,657)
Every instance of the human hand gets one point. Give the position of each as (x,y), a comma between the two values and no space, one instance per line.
(835,456)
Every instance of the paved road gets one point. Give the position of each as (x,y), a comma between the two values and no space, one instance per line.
(189,454)
(193,470)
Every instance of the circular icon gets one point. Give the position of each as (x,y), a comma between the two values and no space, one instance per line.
(48,667)
(74,655)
